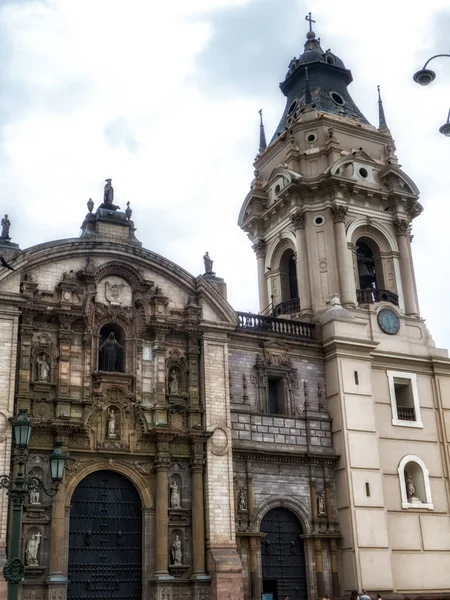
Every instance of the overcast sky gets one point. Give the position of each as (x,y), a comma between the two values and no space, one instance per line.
(163,97)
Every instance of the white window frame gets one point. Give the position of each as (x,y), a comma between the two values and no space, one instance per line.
(426,480)
(391,375)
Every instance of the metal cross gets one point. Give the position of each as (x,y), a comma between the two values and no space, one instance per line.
(311,21)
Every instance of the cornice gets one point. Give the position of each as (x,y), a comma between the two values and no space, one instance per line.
(279,457)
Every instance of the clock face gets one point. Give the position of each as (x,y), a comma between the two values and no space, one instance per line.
(389,321)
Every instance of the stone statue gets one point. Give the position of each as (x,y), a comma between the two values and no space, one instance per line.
(208,263)
(411,490)
(43,368)
(6,224)
(174,383)
(175,500)
(108,194)
(177,555)
(31,551)
(321,505)
(34,496)
(242,501)
(111,352)
(112,424)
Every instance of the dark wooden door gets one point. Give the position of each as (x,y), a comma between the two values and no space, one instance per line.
(105,543)
(283,556)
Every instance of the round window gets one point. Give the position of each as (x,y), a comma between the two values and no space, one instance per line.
(277,189)
(364,173)
(292,107)
(337,98)
(319,220)
(311,137)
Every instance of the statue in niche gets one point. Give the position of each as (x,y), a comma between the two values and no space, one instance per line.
(32,549)
(175,499)
(242,501)
(321,511)
(6,224)
(411,490)
(208,263)
(110,354)
(34,496)
(112,423)
(43,368)
(174,382)
(177,555)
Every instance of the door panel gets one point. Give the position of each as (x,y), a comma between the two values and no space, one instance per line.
(105,543)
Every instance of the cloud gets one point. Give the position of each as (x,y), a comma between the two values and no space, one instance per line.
(250,46)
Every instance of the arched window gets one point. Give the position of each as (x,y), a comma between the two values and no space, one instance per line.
(370,269)
(288,276)
(111,348)
(414,483)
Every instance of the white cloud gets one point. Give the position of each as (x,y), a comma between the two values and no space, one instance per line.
(116,88)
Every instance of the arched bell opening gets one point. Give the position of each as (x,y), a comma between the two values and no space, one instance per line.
(111,348)
(288,284)
(371,284)
(370,269)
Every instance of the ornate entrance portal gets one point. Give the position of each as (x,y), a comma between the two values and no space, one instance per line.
(283,556)
(105,544)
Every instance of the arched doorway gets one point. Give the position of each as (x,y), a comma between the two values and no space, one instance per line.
(283,556)
(105,542)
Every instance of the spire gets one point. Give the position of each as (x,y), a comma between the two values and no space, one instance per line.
(382,125)
(262,134)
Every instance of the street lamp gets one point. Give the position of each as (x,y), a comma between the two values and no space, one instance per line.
(18,487)
(426,76)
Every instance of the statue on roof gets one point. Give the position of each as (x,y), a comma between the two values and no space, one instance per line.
(108,196)
(208,263)
(6,224)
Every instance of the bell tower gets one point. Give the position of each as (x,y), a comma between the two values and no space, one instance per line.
(329,209)
(329,214)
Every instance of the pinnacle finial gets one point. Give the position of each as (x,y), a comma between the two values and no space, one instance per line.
(262,133)
(310,35)
(381,117)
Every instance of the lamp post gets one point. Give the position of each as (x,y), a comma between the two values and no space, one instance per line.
(18,487)
(426,76)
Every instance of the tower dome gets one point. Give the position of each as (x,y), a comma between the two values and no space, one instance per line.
(325,76)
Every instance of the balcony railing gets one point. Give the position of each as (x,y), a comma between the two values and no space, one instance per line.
(274,325)
(406,413)
(370,296)
(287,308)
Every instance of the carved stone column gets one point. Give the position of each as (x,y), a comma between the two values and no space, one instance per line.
(344,259)
(329,500)
(159,349)
(302,264)
(313,494)
(334,569)
(198,511)
(193,354)
(319,568)
(162,505)
(260,250)
(255,579)
(406,269)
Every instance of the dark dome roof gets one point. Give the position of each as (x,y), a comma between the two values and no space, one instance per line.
(313,52)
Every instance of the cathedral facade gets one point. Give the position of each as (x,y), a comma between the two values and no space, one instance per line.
(215,454)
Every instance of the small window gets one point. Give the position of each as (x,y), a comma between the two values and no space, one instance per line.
(337,98)
(404,399)
(319,220)
(311,138)
(275,395)
(277,189)
(292,107)
(364,173)
(330,60)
